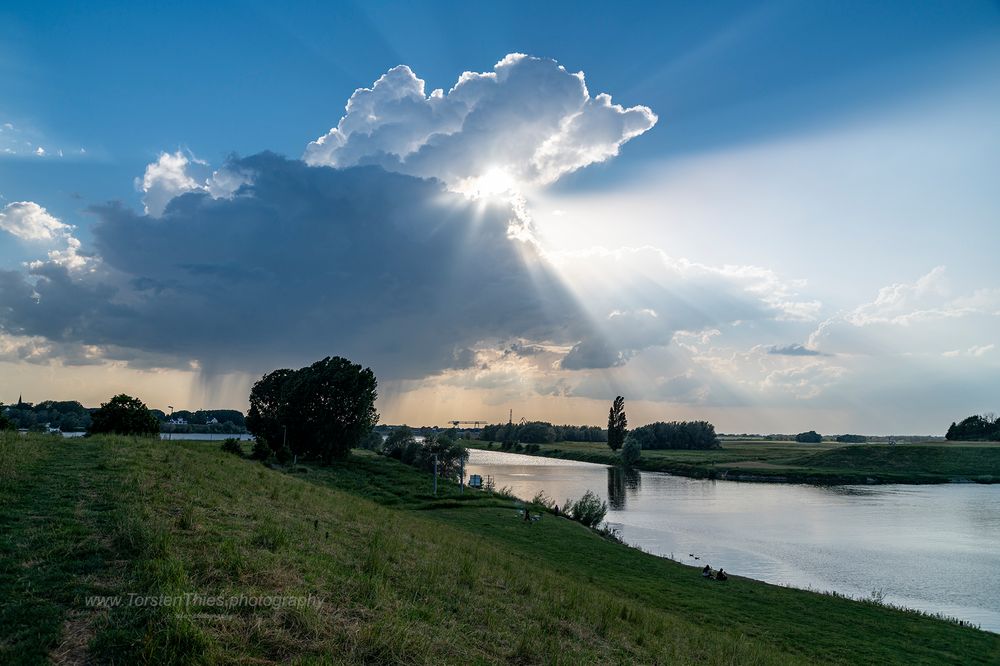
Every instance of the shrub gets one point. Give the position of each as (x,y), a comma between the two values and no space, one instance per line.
(589,509)
(232,445)
(631,451)
(543,500)
(261,451)
(283,455)
(811,437)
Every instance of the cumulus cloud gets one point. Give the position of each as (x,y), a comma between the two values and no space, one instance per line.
(29,221)
(367,248)
(367,259)
(165,179)
(382,267)
(529,121)
(171,176)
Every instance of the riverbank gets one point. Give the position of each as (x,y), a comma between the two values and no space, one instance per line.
(793,462)
(405,577)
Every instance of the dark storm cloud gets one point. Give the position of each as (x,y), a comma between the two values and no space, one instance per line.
(592,353)
(388,269)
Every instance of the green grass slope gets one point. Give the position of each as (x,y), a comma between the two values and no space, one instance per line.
(404,577)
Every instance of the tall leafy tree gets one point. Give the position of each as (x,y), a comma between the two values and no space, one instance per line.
(323,410)
(617,423)
(269,410)
(124,415)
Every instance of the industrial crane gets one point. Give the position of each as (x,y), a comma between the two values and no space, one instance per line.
(472,423)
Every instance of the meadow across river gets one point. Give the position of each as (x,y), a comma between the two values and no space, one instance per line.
(794,462)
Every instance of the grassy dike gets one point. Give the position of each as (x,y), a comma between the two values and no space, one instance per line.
(404,577)
(792,462)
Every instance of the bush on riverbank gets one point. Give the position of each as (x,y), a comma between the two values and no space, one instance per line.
(631,451)
(589,509)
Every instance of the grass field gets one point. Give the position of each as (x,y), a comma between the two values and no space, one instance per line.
(404,577)
(793,462)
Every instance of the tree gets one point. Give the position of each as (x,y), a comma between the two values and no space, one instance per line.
(631,451)
(977,427)
(269,408)
(372,441)
(124,415)
(617,423)
(325,409)
(5,423)
(811,437)
(451,456)
(397,441)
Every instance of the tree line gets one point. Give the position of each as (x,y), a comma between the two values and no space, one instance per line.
(978,427)
(71,416)
(541,432)
(66,415)
(676,435)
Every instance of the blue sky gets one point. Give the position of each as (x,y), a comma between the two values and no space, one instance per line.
(846,147)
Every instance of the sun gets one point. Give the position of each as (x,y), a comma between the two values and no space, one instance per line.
(496,182)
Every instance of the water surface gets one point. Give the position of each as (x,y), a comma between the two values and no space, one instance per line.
(933,547)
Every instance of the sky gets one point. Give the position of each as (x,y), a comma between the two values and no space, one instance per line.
(776,216)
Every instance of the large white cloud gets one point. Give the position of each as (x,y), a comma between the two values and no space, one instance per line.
(529,119)
(29,221)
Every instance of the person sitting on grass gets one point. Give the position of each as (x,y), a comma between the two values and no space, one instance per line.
(706,572)
(721,575)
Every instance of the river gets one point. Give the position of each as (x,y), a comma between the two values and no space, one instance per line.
(934,548)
